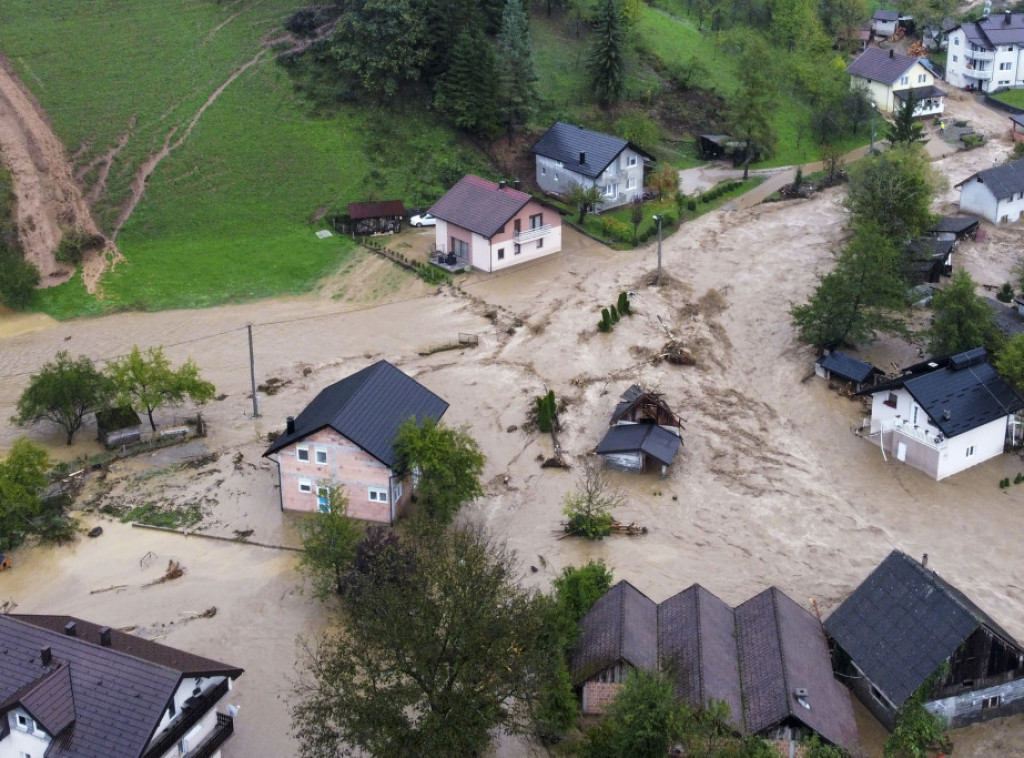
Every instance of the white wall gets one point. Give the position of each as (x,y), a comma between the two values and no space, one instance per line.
(19,741)
(977,198)
(988,441)
(528,249)
(205,725)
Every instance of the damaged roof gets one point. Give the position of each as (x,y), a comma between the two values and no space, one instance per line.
(649,439)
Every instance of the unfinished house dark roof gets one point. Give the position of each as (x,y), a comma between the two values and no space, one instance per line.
(621,626)
(374,209)
(479,205)
(649,439)
(902,622)
(567,144)
(998,29)
(877,65)
(959,393)
(754,658)
(93,700)
(368,407)
(847,367)
(1003,181)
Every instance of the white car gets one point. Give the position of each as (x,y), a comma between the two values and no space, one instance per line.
(423,219)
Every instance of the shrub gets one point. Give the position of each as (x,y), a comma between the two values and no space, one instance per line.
(546,412)
(614,314)
(605,324)
(623,304)
(1019,478)
(691,205)
(18,280)
(669,219)
(1005,294)
(74,244)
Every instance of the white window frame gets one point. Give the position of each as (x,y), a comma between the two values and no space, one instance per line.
(956,41)
(609,191)
(1005,66)
(922,78)
(302,453)
(317,453)
(323,497)
(398,491)
(632,161)
(377,494)
(969,451)
(905,80)
(993,701)
(305,485)
(631,183)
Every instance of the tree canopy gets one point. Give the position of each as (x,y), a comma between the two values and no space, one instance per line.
(893,189)
(440,646)
(448,463)
(22,479)
(905,128)
(328,543)
(147,381)
(963,320)
(606,59)
(63,392)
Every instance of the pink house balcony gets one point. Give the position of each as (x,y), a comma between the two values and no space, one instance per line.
(532,234)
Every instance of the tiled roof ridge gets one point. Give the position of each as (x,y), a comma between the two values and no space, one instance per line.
(773,593)
(700,643)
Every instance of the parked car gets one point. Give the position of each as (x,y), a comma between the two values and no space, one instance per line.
(423,219)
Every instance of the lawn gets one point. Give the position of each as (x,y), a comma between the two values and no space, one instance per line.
(229,214)
(1014,97)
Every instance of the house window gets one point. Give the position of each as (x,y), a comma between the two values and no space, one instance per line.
(323,499)
(914,421)
(460,248)
(891,400)
(398,491)
(540,243)
(956,41)
(543,171)
(877,695)
(302,453)
(922,78)
(1004,66)
(970,451)
(537,221)
(990,702)
(321,456)
(632,160)
(608,191)
(501,253)
(631,183)
(516,249)
(305,485)
(904,80)
(25,723)
(378,495)
(612,675)
(955,59)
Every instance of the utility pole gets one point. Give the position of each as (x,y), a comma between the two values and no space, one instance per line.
(657,217)
(252,375)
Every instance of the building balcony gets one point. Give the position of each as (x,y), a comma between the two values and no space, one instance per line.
(532,234)
(191,713)
(972,72)
(980,55)
(934,440)
(225,728)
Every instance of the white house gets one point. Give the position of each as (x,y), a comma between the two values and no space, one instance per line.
(986,54)
(888,76)
(883,22)
(944,415)
(568,154)
(996,193)
(492,226)
(72,688)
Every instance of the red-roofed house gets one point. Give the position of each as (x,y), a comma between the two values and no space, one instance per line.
(491,226)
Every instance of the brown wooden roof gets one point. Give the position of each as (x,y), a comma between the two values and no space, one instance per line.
(375,209)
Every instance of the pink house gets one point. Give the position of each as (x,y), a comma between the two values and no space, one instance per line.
(346,437)
(491,226)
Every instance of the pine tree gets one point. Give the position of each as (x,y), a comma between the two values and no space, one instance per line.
(904,129)
(465,92)
(607,57)
(516,72)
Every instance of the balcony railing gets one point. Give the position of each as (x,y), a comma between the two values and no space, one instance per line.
(532,234)
(224,729)
(934,440)
(977,73)
(980,55)
(190,715)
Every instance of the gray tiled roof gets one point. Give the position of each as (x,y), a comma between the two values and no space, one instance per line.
(565,142)
(902,622)
(1006,317)
(920,93)
(848,367)
(368,407)
(650,439)
(1003,180)
(990,32)
(879,65)
(1017,118)
(479,205)
(886,15)
(954,225)
(103,701)
(621,626)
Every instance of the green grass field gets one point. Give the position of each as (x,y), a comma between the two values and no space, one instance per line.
(1014,97)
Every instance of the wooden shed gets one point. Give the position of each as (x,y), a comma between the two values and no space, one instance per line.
(118,426)
(376,217)
(643,428)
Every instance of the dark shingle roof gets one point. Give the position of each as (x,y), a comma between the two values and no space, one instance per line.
(649,439)
(879,66)
(885,15)
(626,400)
(373,209)
(697,644)
(104,701)
(919,93)
(990,32)
(621,626)
(479,205)
(902,622)
(1002,181)
(564,142)
(848,367)
(1017,118)
(954,225)
(368,407)
(1006,317)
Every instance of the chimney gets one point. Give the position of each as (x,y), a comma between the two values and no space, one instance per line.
(892,53)
(1008,17)
(517,184)
(583,158)
(924,561)
(502,184)
(46,655)
(105,636)
(289,425)
(70,630)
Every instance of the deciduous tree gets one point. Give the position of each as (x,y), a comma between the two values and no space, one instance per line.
(1010,362)
(606,59)
(328,542)
(147,381)
(22,478)
(893,189)
(448,463)
(430,660)
(62,392)
(642,721)
(963,320)
(751,108)
(589,507)
(583,199)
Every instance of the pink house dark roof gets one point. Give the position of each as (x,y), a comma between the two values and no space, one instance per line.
(479,205)
(376,209)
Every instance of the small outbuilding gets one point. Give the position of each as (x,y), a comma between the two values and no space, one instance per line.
(996,193)
(642,427)
(884,22)
(954,228)
(845,368)
(927,260)
(376,217)
(118,426)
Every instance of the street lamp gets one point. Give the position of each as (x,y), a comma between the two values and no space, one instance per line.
(874,110)
(657,217)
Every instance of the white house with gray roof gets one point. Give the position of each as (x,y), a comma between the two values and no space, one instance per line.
(986,54)
(568,155)
(996,193)
(888,77)
(944,415)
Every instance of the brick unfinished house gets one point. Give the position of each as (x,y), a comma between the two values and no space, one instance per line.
(73,689)
(346,436)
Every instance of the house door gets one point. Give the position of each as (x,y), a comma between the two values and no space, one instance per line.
(323,500)
(517,226)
